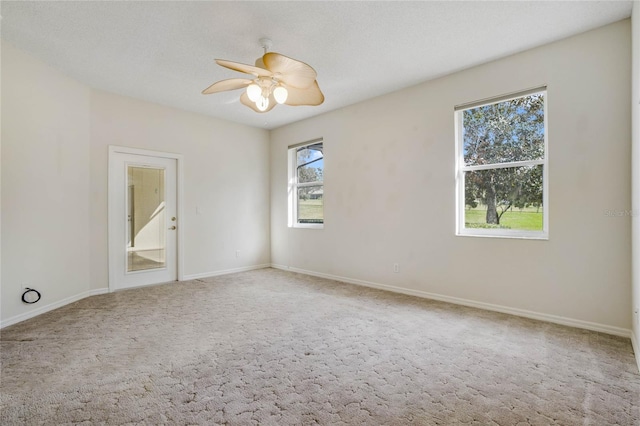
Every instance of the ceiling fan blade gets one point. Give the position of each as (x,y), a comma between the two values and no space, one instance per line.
(290,71)
(260,63)
(246,101)
(248,69)
(309,96)
(224,85)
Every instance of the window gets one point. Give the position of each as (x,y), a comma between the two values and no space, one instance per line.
(501,150)
(306,185)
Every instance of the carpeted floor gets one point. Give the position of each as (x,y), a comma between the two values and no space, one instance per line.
(276,348)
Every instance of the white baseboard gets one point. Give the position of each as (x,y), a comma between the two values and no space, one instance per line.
(188,277)
(636,348)
(51,306)
(602,328)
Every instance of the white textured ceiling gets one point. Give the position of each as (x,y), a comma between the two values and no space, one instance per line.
(164,52)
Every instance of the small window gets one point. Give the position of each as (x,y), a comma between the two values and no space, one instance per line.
(501,149)
(306,185)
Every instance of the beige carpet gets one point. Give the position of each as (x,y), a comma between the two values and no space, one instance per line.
(276,348)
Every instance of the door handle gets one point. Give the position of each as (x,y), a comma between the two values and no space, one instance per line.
(173,228)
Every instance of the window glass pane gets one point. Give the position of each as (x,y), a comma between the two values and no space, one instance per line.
(146,230)
(311,204)
(505,131)
(508,198)
(310,163)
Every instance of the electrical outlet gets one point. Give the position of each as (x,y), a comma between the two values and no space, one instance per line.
(396,268)
(237,253)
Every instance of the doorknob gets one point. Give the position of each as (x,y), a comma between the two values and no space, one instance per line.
(172,228)
(173,219)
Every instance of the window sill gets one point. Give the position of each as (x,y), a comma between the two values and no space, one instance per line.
(514,236)
(309,225)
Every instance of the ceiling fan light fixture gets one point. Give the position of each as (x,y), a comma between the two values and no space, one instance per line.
(277,79)
(262,103)
(280,93)
(253,92)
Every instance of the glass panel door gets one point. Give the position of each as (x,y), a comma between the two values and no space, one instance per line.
(146,221)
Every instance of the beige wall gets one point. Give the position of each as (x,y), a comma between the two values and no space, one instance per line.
(635,17)
(45,183)
(390,182)
(226,177)
(55,139)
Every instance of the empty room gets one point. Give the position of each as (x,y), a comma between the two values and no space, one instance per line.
(175,249)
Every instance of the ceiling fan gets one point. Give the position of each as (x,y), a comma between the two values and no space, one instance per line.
(278,80)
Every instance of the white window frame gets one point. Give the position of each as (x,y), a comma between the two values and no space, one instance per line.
(461,168)
(294,185)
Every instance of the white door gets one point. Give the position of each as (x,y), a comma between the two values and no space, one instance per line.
(142,220)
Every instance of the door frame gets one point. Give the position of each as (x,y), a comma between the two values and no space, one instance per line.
(114,149)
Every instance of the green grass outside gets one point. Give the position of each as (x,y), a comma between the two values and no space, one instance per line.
(526,219)
(310,209)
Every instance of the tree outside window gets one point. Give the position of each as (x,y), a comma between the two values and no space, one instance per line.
(307,185)
(502,167)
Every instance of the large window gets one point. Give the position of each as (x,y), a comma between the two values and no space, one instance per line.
(502,166)
(306,185)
